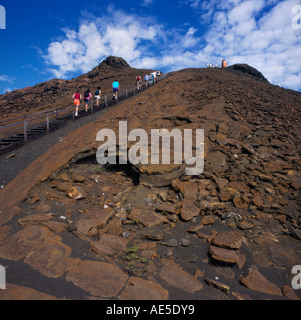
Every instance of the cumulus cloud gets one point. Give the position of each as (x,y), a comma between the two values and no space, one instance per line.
(257,32)
(115,34)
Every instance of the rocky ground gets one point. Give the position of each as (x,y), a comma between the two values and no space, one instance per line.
(73,229)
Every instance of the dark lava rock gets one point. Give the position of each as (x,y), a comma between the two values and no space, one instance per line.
(245,68)
(116,62)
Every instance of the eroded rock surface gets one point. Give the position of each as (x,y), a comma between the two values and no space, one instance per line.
(152,232)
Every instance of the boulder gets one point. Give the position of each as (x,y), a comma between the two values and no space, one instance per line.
(148,218)
(76,193)
(257,282)
(86,225)
(188,210)
(228,240)
(223,255)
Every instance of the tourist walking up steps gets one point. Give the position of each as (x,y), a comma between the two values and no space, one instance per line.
(146,79)
(76,97)
(138,81)
(151,80)
(158,74)
(87,97)
(115,86)
(97,96)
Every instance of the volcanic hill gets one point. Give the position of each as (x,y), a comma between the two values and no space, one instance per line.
(57,92)
(86,231)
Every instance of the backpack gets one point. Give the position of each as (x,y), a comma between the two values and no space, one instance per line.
(77,96)
(97,92)
(86,94)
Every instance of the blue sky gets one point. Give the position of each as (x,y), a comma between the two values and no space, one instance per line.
(63,39)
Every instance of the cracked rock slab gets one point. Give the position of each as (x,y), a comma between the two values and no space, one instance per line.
(52,258)
(223,255)
(176,277)
(256,281)
(22,243)
(148,218)
(228,240)
(100,279)
(139,289)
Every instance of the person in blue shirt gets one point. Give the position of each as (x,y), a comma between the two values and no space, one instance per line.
(146,78)
(115,86)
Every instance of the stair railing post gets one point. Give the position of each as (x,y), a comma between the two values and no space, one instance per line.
(25,130)
(92,103)
(47,122)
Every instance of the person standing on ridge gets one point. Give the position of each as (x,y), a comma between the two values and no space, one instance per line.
(97,96)
(76,97)
(224,64)
(115,86)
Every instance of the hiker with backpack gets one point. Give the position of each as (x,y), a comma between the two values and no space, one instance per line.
(146,79)
(158,74)
(97,96)
(76,100)
(138,81)
(115,86)
(87,97)
(151,81)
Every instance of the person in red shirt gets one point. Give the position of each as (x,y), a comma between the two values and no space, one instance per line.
(76,97)
(138,81)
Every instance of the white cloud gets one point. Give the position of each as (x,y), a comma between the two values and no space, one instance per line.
(257,32)
(245,11)
(260,36)
(116,34)
(6,78)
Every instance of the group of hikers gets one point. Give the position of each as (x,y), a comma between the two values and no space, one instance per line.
(149,79)
(77,97)
(87,96)
(223,65)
